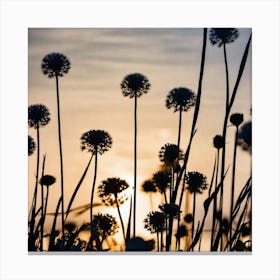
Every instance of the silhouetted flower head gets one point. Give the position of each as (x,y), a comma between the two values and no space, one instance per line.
(155,222)
(38,115)
(181,232)
(239,246)
(188,218)
(170,209)
(162,180)
(31,145)
(245,136)
(180,99)
(104,225)
(222,36)
(110,189)
(55,64)
(218,142)
(96,141)
(236,119)
(196,182)
(139,244)
(149,186)
(170,153)
(135,85)
(70,227)
(47,180)
(245,230)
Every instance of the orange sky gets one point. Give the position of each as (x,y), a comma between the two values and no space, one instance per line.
(91,99)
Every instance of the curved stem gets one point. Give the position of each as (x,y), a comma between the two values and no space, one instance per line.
(78,187)
(232,183)
(135,165)
(119,212)
(60,153)
(92,194)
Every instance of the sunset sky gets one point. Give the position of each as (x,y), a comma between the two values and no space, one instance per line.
(90,98)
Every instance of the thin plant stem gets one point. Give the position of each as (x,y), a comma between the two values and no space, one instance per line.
(120,216)
(60,153)
(233,183)
(34,202)
(215,200)
(42,207)
(77,187)
(92,194)
(158,241)
(194,204)
(180,125)
(135,165)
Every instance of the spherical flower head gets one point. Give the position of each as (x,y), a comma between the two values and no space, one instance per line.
(218,142)
(55,64)
(109,191)
(170,210)
(245,136)
(196,182)
(104,225)
(96,141)
(149,186)
(222,36)
(180,99)
(181,232)
(155,222)
(31,145)
(135,85)
(170,153)
(38,115)
(47,180)
(162,180)
(188,218)
(236,119)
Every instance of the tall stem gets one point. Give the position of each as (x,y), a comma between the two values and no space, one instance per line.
(92,193)
(135,165)
(42,208)
(232,183)
(34,201)
(215,200)
(119,212)
(224,137)
(194,202)
(60,153)
(180,125)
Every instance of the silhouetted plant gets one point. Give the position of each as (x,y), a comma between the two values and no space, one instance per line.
(96,142)
(103,226)
(149,187)
(155,223)
(162,181)
(170,209)
(134,85)
(46,180)
(109,191)
(236,119)
(180,99)
(196,184)
(188,218)
(31,145)
(56,65)
(139,244)
(38,116)
(218,143)
(245,136)
(221,36)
